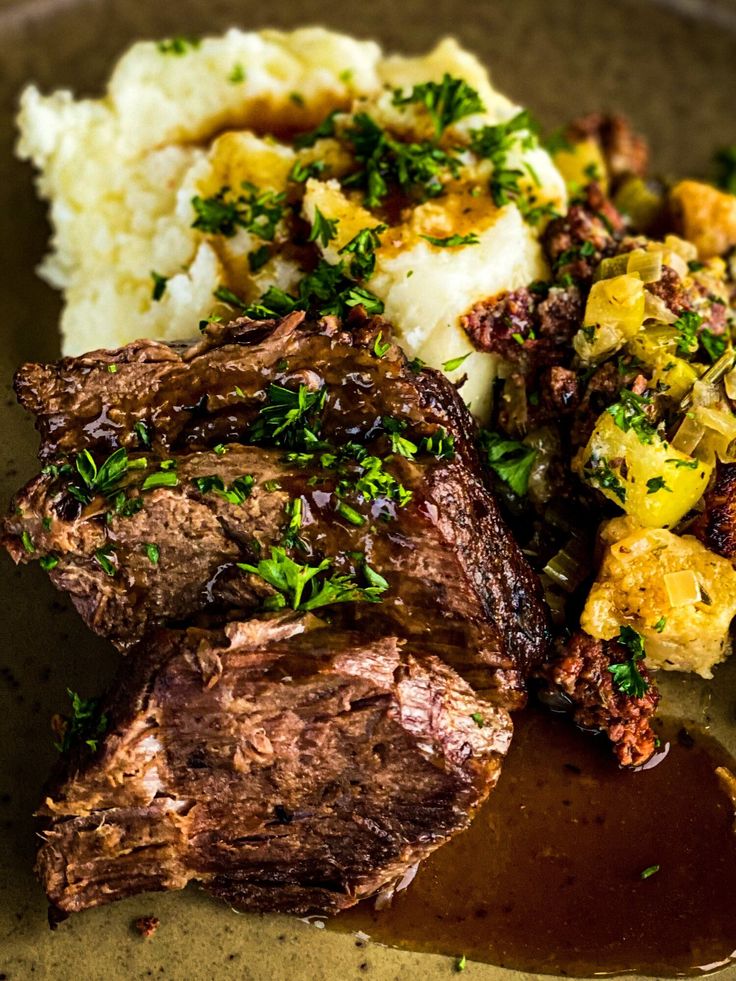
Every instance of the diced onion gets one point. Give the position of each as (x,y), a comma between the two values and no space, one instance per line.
(656,309)
(682,248)
(683,588)
(646,265)
(688,436)
(606,340)
(569,567)
(615,265)
(729,383)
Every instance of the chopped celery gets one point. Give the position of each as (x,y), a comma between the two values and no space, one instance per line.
(646,265)
(637,200)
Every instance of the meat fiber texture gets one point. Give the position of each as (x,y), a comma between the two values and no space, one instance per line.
(455,575)
(281,763)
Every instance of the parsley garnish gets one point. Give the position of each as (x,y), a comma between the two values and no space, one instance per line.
(323,229)
(713,344)
(324,291)
(301,172)
(86,723)
(440,444)
(178,45)
(48,562)
(362,249)
(258,258)
(510,460)
(297,98)
(688,464)
(257,211)
(461,963)
(660,624)
(159,285)
(305,587)
(415,168)
(294,514)
(603,476)
(446,102)
(453,241)
(687,324)
(655,484)
(143,434)
(289,418)
(380,347)
(27,542)
(236,492)
(399,443)
(325,130)
(628,413)
(494,143)
(237,74)
(153,552)
(454,363)
(103,557)
(87,479)
(162,478)
(349,514)
(649,871)
(477,717)
(626,676)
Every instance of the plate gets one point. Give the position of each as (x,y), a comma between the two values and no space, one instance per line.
(669,66)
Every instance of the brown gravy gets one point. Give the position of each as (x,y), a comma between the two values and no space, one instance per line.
(549,876)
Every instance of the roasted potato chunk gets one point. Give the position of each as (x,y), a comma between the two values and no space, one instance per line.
(707,217)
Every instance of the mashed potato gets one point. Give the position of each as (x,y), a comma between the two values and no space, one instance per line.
(186,119)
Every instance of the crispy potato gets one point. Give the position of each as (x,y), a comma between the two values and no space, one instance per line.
(644,581)
(707,216)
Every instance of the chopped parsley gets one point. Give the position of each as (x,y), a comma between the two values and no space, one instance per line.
(361,248)
(626,676)
(178,45)
(257,211)
(461,963)
(161,478)
(258,258)
(220,449)
(399,443)
(289,418)
(446,102)
(380,347)
(352,516)
(509,459)
(142,432)
(714,345)
(452,241)
(159,285)
(687,325)
(86,724)
(660,624)
(325,130)
(294,514)
(454,363)
(494,143)
(297,98)
(237,74)
(48,562)
(416,169)
(477,717)
(27,542)
(85,479)
(629,413)
(153,552)
(301,172)
(103,558)
(440,444)
(601,475)
(237,492)
(649,871)
(323,229)
(655,484)
(307,587)
(688,464)
(324,291)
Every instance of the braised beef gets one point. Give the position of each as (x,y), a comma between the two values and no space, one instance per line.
(327,767)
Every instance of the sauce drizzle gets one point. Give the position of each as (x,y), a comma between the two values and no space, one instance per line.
(574,866)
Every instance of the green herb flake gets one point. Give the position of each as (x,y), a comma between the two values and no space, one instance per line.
(159,286)
(256,210)
(27,542)
(307,587)
(724,166)
(220,449)
(112,369)
(626,676)
(86,724)
(153,552)
(324,131)
(297,98)
(714,345)
(477,717)
(237,74)
(452,241)
(178,45)
(258,258)
(380,347)
(289,418)
(352,516)
(630,413)
(301,172)
(454,363)
(323,229)
(237,492)
(446,102)
(461,963)
(399,443)
(601,474)
(509,459)
(660,624)
(649,871)
(361,248)
(655,484)
(48,562)
(103,557)
(163,478)
(687,326)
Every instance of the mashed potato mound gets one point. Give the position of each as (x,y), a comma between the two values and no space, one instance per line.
(187,119)
(672,590)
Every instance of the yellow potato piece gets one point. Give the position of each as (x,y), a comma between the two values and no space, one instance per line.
(619,465)
(707,215)
(633,587)
(582,163)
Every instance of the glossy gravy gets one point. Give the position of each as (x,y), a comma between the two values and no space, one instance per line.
(576,867)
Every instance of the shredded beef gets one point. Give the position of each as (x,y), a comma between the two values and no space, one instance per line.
(592,223)
(581,673)
(716,527)
(560,390)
